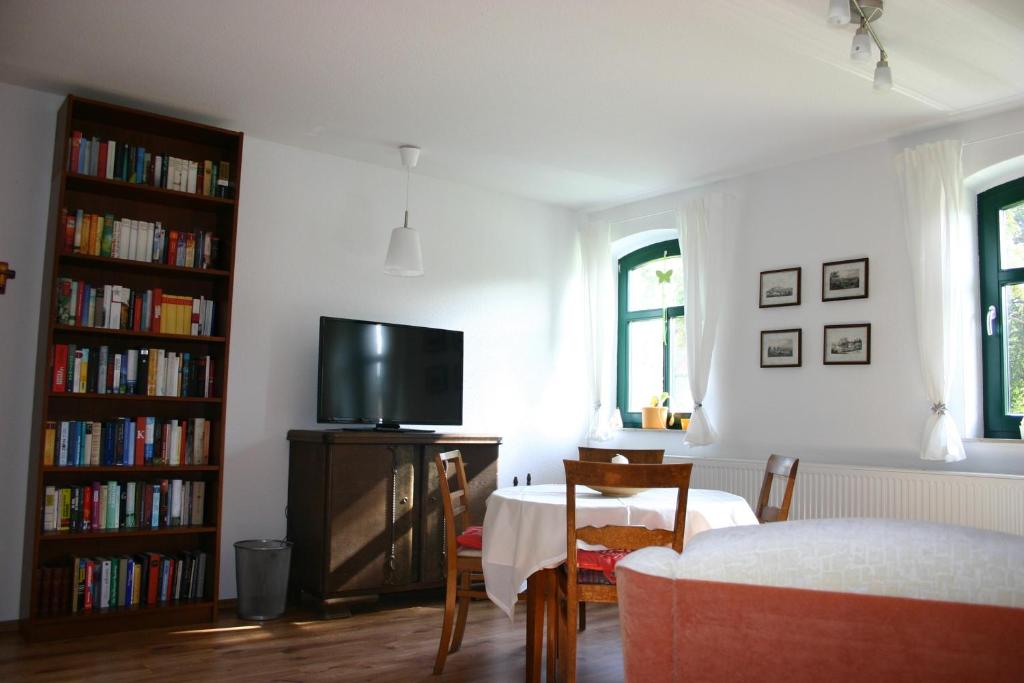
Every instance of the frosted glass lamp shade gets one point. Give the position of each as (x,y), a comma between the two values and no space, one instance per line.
(860,49)
(404,255)
(883,76)
(838,12)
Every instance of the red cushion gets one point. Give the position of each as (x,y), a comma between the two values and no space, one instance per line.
(601,560)
(472,537)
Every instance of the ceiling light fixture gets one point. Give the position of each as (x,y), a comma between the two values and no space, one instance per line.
(405,258)
(863,13)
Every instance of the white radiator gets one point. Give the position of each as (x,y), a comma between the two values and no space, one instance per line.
(985,501)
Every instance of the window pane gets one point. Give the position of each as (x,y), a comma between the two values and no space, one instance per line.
(1011,237)
(682,400)
(1013,352)
(646,292)
(646,362)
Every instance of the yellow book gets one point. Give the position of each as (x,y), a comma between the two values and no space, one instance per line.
(87,234)
(97,237)
(167,314)
(49,443)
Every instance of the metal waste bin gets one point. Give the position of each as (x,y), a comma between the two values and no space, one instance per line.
(261,573)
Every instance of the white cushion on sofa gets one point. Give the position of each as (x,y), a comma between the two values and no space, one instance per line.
(872,556)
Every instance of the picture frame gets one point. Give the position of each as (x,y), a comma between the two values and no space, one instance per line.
(847,344)
(782,348)
(779,288)
(844,280)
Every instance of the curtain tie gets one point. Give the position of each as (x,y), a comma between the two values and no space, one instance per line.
(939,408)
(698,405)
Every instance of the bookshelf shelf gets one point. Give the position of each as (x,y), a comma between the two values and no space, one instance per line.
(112,264)
(129,470)
(133,397)
(137,192)
(124,533)
(137,335)
(120,140)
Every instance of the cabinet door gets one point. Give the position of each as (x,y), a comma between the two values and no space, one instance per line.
(372,503)
(481,462)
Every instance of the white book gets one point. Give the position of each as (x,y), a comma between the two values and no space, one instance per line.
(161,372)
(116,386)
(197,306)
(158,170)
(193,176)
(87,446)
(131,375)
(126,231)
(111,156)
(180,174)
(108,295)
(49,509)
(105,584)
(174,448)
(147,254)
(158,243)
(175,502)
(133,240)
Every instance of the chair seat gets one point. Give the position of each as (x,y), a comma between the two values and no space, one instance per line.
(471,537)
(601,562)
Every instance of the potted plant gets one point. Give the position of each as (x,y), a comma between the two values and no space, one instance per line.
(655,416)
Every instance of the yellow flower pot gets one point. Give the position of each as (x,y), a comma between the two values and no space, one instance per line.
(654,417)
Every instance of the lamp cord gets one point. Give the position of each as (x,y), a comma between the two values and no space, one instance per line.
(408,179)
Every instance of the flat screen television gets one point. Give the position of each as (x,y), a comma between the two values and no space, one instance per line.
(385,374)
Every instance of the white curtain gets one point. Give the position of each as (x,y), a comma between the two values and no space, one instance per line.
(703,239)
(931,177)
(601,303)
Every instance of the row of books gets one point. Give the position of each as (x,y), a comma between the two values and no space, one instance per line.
(127,441)
(115,307)
(140,372)
(121,505)
(136,164)
(93,584)
(95,234)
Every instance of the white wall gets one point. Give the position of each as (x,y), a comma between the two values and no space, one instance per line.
(843,205)
(29,121)
(313,231)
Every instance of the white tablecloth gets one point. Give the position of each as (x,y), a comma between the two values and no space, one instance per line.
(524,528)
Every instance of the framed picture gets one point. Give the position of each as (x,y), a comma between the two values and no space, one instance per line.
(780,288)
(781,348)
(844,280)
(847,344)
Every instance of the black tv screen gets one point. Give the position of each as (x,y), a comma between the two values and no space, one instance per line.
(387,374)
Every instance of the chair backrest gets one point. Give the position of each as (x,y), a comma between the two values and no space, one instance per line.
(637,456)
(627,476)
(454,501)
(777,466)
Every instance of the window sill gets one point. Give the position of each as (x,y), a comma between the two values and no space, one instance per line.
(650,431)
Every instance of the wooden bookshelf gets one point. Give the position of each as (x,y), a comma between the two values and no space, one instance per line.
(215,215)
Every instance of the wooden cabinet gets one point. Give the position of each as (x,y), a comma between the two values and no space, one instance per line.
(364,511)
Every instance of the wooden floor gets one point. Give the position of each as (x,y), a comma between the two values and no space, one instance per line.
(391,642)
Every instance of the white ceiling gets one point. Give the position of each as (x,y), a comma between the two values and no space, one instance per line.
(581,103)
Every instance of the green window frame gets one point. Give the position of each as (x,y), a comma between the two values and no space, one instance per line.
(999,421)
(627,263)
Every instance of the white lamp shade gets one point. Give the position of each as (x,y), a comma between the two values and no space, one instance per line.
(860,48)
(838,12)
(883,76)
(404,255)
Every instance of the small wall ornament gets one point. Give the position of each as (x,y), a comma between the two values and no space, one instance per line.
(5,274)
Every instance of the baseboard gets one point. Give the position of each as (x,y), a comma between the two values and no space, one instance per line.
(13,625)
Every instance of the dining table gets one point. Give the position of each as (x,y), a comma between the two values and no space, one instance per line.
(524,541)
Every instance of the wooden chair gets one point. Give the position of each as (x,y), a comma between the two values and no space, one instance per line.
(571,589)
(463,565)
(778,466)
(637,456)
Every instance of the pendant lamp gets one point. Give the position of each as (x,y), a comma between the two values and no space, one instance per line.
(405,258)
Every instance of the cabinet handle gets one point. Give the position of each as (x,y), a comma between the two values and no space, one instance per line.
(404,501)
(990,320)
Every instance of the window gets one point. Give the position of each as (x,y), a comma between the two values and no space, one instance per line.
(1001,242)
(652,337)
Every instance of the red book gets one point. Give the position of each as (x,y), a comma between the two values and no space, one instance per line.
(60,367)
(137,316)
(69,234)
(172,247)
(76,145)
(140,441)
(80,304)
(87,507)
(164,506)
(89,565)
(153,578)
(101,164)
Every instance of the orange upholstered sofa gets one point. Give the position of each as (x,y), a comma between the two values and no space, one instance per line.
(826,600)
